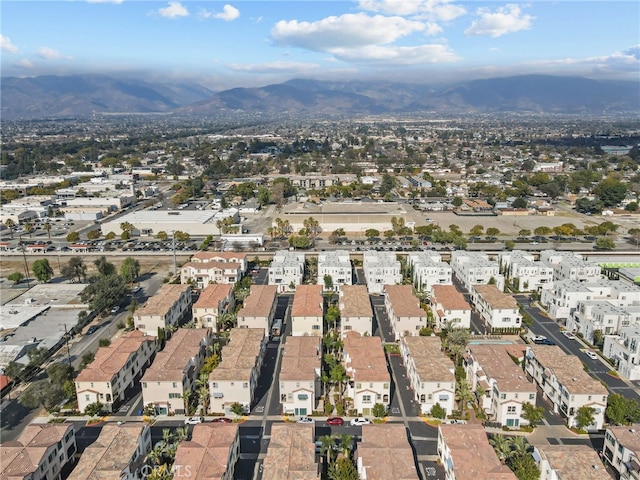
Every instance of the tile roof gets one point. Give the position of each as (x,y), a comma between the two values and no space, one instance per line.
(207,453)
(291,453)
(495,298)
(204,257)
(239,356)
(170,363)
(449,297)
(385,453)
(212,295)
(301,358)
(575,462)
(404,302)
(307,301)
(259,302)
(497,364)
(355,302)
(432,364)
(163,300)
(368,362)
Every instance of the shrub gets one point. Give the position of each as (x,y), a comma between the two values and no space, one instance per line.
(379,410)
(328,408)
(340,409)
(438,412)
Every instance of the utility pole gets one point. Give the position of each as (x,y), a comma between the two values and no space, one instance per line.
(26,265)
(175,265)
(66,336)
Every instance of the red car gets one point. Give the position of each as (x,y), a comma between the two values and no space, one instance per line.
(335,421)
(222,420)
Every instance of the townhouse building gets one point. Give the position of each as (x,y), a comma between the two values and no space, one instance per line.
(449,307)
(380,269)
(41,452)
(569,461)
(356,313)
(497,309)
(223,257)
(430,372)
(623,349)
(523,272)
(213,301)
(428,269)
(115,368)
(475,268)
(621,450)
(259,308)
(385,453)
(203,274)
(499,384)
(307,311)
(464,452)
(336,265)
(167,308)
(565,384)
(118,452)
(366,366)
(291,454)
(600,315)
(170,380)
(286,270)
(236,377)
(404,311)
(571,266)
(299,379)
(211,453)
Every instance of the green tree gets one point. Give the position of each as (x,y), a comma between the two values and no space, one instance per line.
(300,241)
(524,467)
(371,233)
(15,371)
(343,469)
(328,282)
(622,410)
(501,445)
(73,237)
(94,234)
(585,416)
(75,269)
(41,393)
(605,244)
(534,415)
(86,359)
(457,201)
(237,408)
(162,236)
(42,270)
(493,231)
(437,411)
(130,269)
(93,409)
(110,236)
(59,373)
(104,292)
(104,342)
(104,267)
(610,191)
(520,202)
(47,227)
(476,230)
(379,410)
(463,393)
(37,356)
(15,277)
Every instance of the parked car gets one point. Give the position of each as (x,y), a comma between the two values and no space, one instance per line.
(335,421)
(115,309)
(591,355)
(306,420)
(137,289)
(569,335)
(92,329)
(356,422)
(539,338)
(193,420)
(456,422)
(544,341)
(222,420)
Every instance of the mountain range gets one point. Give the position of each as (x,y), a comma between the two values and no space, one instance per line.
(84,95)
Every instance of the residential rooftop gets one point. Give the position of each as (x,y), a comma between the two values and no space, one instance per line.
(403,301)
(301,358)
(239,355)
(575,462)
(366,358)
(207,453)
(307,301)
(495,298)
(355,302)
(162,301)
(496,363)
(432,364)
(385,453)
(212,295)
(291,453)
(259,302)
(449,297)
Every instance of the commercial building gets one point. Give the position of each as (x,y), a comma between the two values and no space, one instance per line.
(214,300)
(259,308)
(40,452)
(430,372)
(336,265)
(385,453)
(356,314)
(114,369)
(299,378)
(565,384)
(404,311)
(168,307)
(307,311)
(175,370)
(291,454)
(366,366)
(286,270)
(236,377)
(449,307)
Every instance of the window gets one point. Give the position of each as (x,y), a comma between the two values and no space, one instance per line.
(315,327)
(214,385)
(503,396)
(175,384)
(532,396)
(385,385)
(245,385)
(366,399)
(511,409)
(86,397)
(174,395)
(144,384)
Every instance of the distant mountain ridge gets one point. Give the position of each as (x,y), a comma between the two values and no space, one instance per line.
(83,95)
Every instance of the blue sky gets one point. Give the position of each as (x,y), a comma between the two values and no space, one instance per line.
(253,43)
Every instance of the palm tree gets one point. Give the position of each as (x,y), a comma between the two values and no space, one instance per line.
(346,443)
(47,227)
(326,447)
(202,390)
(502,446)
(518,445)
(463,393)
(155,455)
(9,223)
(29,228)
(227,321)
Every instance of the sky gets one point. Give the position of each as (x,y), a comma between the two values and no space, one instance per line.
(243,43)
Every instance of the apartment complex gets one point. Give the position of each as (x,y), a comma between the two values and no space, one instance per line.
(356,314)
(307,311)
(223,257)
(236,377)
(40,452)
(212,453)
(299,379)
(337,265)
(497,309)
(565,384)
(175,370)
(213,301)
(428,269)
(579,462)
(621,450)
(571,266)
(166,308)
(291,454)
(404,311)
(118,452)
(449,307)
(259,308)
(385,453)
(499,383)
(430,372)
(465,453)
(525,273)
(624,350)
(204,273)
(366,366)
(380,269)
(602,315)
(115,368)
(475,268)
(286,270)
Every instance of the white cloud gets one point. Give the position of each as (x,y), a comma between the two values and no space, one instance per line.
(507,19)
(627,61)
(173,10)
(433,10)
(7,46)
(49,54)
(343,32)
(274,67)
(24,63)
(378,55)
(228,13)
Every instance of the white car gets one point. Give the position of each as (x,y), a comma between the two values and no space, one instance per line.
(193,420)
(356,422)
(456,422)
(539,338)
(591,355)
(115,309)
(569,335)
(306,420)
